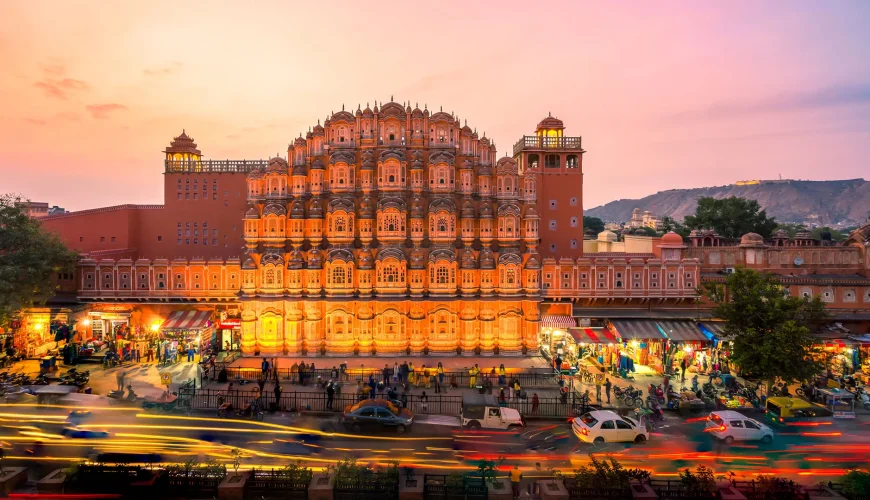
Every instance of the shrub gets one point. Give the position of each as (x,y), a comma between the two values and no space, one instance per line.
(607,472)
(698,483)
(856,482)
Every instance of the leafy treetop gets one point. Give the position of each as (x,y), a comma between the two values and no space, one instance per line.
(731,217)
(769,328)
(29,258)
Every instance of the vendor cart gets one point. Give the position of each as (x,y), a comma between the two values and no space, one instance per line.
(840,402)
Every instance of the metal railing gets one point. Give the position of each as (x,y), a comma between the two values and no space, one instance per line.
(215,166)
(535,142)
(543,377)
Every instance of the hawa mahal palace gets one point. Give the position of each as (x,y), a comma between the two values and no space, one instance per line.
(394,230)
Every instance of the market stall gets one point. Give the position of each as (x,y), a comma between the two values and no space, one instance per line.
(595,346)
(643,343)
(554,336)
(183,330)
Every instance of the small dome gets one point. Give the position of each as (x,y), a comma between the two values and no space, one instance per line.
(317,164)
(467,165)
(780,234)
(368,112)
(467,209)
(252,213)
(366,261)
(485,170)
(695,233)
(607,235)
(751,239)
(551,122)
(296,261)
(300,170)
(314,259)
(531,213)
(485,211)
(366,209)
(468,261)
(315,211)
(298,211)
(533,262)
(299,142)
(318,129)
(487,260)
(466,130)
(249,264)
(418,259)
(672,238)
(277,164)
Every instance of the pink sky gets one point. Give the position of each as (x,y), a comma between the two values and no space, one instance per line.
(665,95)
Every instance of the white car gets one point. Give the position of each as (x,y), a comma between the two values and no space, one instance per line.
(598,427)
(730,426)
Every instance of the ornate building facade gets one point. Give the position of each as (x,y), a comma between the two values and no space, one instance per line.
(393,230)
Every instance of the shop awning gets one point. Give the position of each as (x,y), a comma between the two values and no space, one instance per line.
(592,336)
(637,330)
(716,329)
(187,320)
(557,321)
(682,331)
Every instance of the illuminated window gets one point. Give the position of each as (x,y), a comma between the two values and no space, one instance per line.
(338,275)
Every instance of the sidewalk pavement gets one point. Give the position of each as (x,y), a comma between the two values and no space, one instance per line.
(450,363)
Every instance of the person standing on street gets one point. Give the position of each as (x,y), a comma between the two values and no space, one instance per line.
(599,381)
(330,395)
(683,364)
(386,374)
(516,477)
(121,375)
(607,386)
(277,395)
(264,367)
(189,353)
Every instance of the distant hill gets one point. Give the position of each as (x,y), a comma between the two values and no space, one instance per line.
(823,202)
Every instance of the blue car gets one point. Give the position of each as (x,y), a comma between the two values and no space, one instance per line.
(76,433)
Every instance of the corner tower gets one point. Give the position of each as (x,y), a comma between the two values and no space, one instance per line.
(551,167)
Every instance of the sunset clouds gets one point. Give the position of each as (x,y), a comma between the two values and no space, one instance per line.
(680,94)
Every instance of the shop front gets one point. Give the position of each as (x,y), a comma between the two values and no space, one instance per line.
(643,343)
(36,331)
(229,334)
(686,346)
(598,347)
(553,336)
(107,327)
(184,331)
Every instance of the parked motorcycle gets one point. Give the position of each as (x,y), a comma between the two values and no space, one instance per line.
(629,396)
(656,392)
(864,397)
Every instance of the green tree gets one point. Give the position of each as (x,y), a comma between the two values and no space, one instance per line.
(856,482)
(731,217)
(768,327)
(644,231)
(669,224)
(29,258)
(593,224)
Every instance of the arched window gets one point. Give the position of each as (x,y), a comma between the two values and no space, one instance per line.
(442,224)
(442,275)
(338,275)
(340,224)
(390,274)
(270,277)
(511,276)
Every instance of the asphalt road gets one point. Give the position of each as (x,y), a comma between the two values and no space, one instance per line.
(32,436)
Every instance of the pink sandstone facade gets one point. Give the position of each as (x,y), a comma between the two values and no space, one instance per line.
(394,230)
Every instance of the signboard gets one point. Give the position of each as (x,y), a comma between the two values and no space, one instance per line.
(844,414)
(229,324)
(166,378)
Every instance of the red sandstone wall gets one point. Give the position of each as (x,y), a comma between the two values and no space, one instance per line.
(563,187)
(101,230)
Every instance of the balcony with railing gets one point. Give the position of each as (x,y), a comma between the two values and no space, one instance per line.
(213,166)
(535,142)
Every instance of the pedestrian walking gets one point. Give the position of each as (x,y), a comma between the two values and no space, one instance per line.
(516,477)
(294,373)
(330,395)
(264,368)
(278,391)
(121,376)
(598,383)
(502,375)
(440,371)
(427,375)
(472,379)
(511,389)
(261,382)
(683,370)
(190,353)
(150,357)
(607,386)
(517,389)
(386,374)
(536,402)
(342,369)
(501,398)
(395,372)
(424,402)
(275,369)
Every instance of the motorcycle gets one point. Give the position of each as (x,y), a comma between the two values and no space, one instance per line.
(656,392)
(252,411)
(863,397)
(629,396)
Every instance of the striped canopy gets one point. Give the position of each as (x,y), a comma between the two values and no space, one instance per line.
(557,321)
(187,320)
